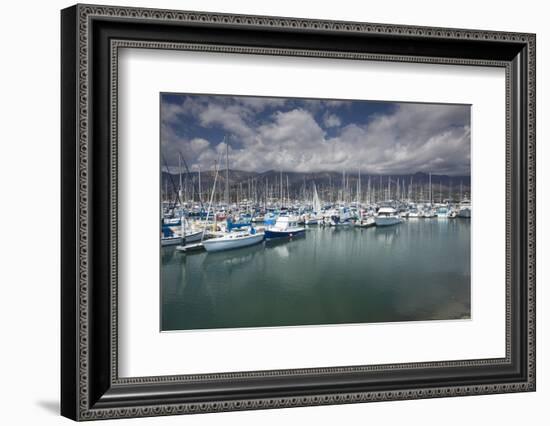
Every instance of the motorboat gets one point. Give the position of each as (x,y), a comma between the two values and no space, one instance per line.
(285,226)
(338,217)
(414,214)
(365,222)
(387,216)
(428,213)
(312,219)
(442,212)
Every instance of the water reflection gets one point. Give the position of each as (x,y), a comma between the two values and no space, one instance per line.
(417,270)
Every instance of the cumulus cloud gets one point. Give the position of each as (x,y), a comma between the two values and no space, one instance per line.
(293,135)
(331,120)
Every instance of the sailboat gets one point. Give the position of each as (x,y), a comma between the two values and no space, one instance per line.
(314,217)
(233,240)
(169,237)
(189,234)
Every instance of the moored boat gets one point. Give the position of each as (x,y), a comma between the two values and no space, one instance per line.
(413,214)
(233,240)
(442,212)
(366,222)
(428,213)
(192,236)
(169,237)
(171,240)
(338,217)
(285,226)
(387,216)
(465,210)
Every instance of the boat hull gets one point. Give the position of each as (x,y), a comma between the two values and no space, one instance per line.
(465,213)
(172,241)
(193,237)
(366,223)
(284,234)
(216,244)
(387,221)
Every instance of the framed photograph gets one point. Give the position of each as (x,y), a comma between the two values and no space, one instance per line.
(263,212)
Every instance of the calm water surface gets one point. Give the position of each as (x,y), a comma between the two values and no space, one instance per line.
(417,270)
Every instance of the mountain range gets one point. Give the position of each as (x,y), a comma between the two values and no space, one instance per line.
(334,181)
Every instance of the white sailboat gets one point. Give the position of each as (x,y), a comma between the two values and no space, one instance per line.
(189,233)
(314,217)
(170,239)
(233,240)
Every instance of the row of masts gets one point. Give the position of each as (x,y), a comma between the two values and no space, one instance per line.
(368,189)
(259,190)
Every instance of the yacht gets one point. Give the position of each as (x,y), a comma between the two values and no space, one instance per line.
(285,226)
(387,216)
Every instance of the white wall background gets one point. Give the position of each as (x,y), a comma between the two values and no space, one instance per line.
(29,213)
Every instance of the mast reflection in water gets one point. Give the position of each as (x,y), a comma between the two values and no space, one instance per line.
(418,270)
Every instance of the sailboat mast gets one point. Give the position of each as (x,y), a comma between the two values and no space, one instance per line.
(343,185)
(281,187)
(358,186)
(226,172)
(287,190)
(399,189)
(181,182)
(211,200)
(200,189)
(369,193)
(430,189)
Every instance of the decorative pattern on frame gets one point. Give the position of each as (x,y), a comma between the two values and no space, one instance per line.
(85,13)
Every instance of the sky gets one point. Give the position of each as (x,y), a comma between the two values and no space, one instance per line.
(313,135)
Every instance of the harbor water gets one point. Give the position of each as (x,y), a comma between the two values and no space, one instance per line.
(415,271)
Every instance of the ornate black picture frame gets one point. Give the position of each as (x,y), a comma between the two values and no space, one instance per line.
(91,36)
